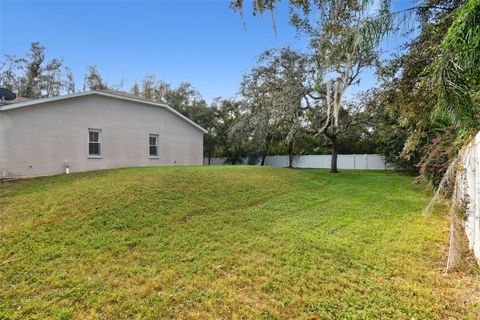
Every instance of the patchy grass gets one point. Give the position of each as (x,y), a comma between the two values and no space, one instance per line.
(225,242)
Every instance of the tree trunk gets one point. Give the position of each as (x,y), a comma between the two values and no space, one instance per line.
(209,160)
(290,160)
(333,164)
(264,157)
(290,154)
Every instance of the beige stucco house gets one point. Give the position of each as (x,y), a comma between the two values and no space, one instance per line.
(94,130)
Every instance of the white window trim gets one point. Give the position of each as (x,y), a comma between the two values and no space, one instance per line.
(157,136)
(100,142)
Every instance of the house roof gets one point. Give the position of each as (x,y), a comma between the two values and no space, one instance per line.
(16,100)
(106,93)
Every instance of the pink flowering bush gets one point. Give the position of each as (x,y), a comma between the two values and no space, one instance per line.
(437,157)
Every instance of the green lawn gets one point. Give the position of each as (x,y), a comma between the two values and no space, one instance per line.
(226,242)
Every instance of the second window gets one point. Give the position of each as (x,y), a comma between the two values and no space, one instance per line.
(153,139)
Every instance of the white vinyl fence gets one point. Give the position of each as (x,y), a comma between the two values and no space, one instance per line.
(468,189)
(345,161)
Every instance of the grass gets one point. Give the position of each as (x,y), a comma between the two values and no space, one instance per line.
(226,242)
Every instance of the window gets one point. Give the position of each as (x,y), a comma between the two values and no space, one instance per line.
(153,142)
(94,143)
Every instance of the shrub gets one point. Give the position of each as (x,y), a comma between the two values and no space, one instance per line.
(437,156)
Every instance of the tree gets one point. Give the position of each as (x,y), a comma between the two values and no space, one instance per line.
(33,76)
(148,87)
(163,91)
(135,89)
(182,97)
(340,53)
(33,65)
(257,121)
(8,76)
(409,93)
(455,70)
(229,143)
(51,79)
(341,50)
(70,82)
(206,117)
(292,70)
(93,79)
(438,88)
(179,98)
(272,105)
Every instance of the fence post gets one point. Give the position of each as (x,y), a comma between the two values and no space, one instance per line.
(475,191)
(471,190)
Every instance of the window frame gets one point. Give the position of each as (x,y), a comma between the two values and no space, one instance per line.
(99,142)
(157,145)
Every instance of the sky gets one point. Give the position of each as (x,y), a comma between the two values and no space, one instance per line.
(201,42)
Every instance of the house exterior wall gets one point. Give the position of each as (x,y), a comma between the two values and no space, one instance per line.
(37,140)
